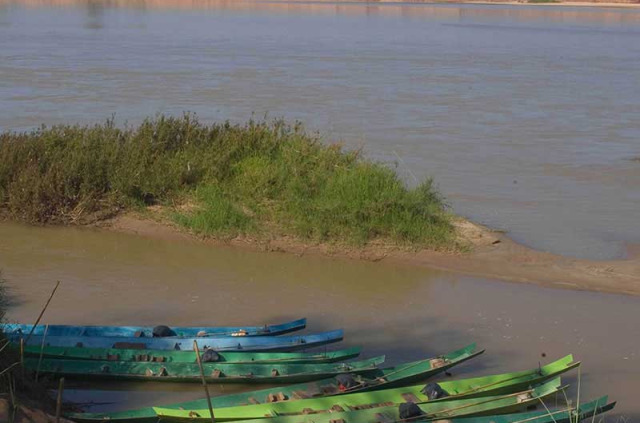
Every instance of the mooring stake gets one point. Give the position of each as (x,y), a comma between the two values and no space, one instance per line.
(204,381)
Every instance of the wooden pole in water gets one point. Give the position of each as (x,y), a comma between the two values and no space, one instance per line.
(46,329)
(59,400)
(43,310)
(204,381)
(22,355)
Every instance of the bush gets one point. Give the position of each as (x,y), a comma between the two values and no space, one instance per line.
(257,178)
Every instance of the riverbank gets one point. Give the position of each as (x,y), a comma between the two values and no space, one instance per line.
(595,3)
(492,254)
(284,4)
(27,414)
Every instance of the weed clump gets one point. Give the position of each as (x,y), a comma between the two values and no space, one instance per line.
(259,179)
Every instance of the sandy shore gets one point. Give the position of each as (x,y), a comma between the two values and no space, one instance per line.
(492,255)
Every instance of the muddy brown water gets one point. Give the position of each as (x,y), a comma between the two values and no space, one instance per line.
(526,116)
(404,312)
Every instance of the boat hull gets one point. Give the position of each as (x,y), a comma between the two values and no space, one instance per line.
(456,389)
(147,331)
(218,373)
(368,412)
(256,343)
(379,380)
(166,356)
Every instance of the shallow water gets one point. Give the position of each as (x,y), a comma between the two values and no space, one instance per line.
(406,313)
(526,116)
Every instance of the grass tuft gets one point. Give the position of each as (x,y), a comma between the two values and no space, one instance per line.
(258,179)
(217,215)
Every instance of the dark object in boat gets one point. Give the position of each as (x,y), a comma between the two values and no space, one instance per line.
(162,331)
(434,391)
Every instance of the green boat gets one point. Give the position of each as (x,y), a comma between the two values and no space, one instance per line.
(380,412)
(165,356)
(190,372)
(391,377)
(462,389)
(586,411)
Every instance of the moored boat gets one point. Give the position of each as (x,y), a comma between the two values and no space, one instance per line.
(412,372)
(379,412)
(218,373)
(585,412)
(148,331)
(443,391)
(254,343)
(167,356)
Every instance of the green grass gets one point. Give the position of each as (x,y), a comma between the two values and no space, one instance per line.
(262,179)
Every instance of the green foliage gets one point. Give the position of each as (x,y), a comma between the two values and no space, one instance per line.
(259,178)
(217,215)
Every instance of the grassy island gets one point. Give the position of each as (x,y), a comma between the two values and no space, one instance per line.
(259,179)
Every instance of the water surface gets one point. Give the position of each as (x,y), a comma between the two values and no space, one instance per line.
(407,313)
(526,116)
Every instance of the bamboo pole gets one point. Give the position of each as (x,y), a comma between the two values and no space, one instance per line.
(46,329)
(9,368)
(43,310)
(6,342)
(12,397)
(204,381)
(59,400)
(22,355)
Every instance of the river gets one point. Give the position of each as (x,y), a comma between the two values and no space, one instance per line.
(404,312)
(526,116)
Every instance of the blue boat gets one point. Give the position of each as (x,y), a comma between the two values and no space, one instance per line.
(255,343)
(147,331)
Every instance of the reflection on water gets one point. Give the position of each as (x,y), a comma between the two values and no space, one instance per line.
(575,15)
(406,313)
(525,116)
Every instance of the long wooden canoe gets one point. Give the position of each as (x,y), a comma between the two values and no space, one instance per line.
(586,412)
(190,372)
(254,343)
(166,356)
(147,331)
(456,389)
(376,412)
(381,379)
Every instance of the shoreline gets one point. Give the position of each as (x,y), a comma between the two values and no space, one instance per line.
(195,4)
(623,5)
(596,3)
(493,255)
